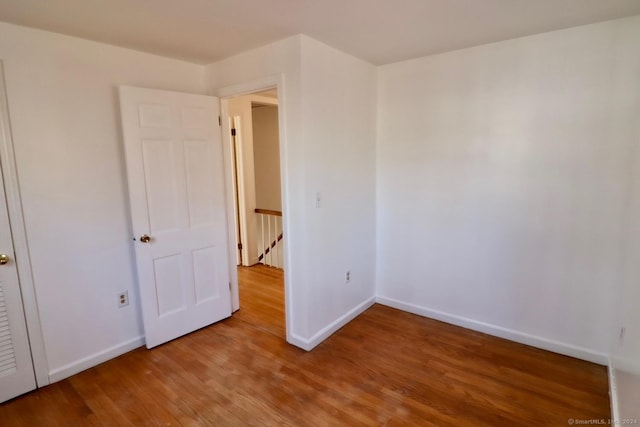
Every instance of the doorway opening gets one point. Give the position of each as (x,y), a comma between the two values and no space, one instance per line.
(254,141)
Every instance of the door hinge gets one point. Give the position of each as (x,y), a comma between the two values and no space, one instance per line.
(219,121)
(229,286)
(239,246)
(233,132)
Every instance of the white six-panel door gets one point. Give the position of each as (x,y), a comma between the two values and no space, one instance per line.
(176,186)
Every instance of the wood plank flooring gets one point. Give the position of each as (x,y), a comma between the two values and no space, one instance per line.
(386,367)
(262,298)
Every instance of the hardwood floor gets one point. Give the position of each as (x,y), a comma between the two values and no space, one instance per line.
(262,298)
(386,367)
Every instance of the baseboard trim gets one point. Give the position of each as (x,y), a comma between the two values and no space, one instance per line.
(327,331)
(613,395)
(95,359)
(498,331)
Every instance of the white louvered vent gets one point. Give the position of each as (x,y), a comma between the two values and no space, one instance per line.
(7,356)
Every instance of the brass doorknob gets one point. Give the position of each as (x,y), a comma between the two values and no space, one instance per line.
(145,238)
(4,259)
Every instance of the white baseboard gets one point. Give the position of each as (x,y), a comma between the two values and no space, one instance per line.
(298,341)
(326,332)
(613,395)
(498,331)
(95,359)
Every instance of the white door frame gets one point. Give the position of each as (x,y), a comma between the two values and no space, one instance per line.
(224,94)
(244,169)
(240,184)
(238,190)
(20,243)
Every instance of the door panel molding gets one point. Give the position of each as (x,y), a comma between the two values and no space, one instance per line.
(175,177)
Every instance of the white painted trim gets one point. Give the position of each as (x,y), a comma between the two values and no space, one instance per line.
(327,331)
(498,331)
(239,166)
(20,243)
(613,395)
(270,82)
(247,88)
(95,359)
(232,225)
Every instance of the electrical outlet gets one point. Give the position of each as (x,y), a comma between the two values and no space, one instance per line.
(347,277)
(123,299)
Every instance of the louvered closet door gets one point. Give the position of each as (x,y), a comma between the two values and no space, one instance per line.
(16,367)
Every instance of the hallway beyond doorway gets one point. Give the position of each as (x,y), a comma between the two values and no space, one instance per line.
(262,298)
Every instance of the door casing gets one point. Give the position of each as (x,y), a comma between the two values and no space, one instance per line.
(224,93)
(20,244)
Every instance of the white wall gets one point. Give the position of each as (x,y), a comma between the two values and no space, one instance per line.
(66,127)
(266,157)
(503,173)
(506,193)
(339,117)
(328,146)
(625,349)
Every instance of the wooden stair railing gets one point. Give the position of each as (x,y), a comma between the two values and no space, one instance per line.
(268,212)
(269,244)
(268,249)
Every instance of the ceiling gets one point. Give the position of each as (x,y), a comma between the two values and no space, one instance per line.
(379,31)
